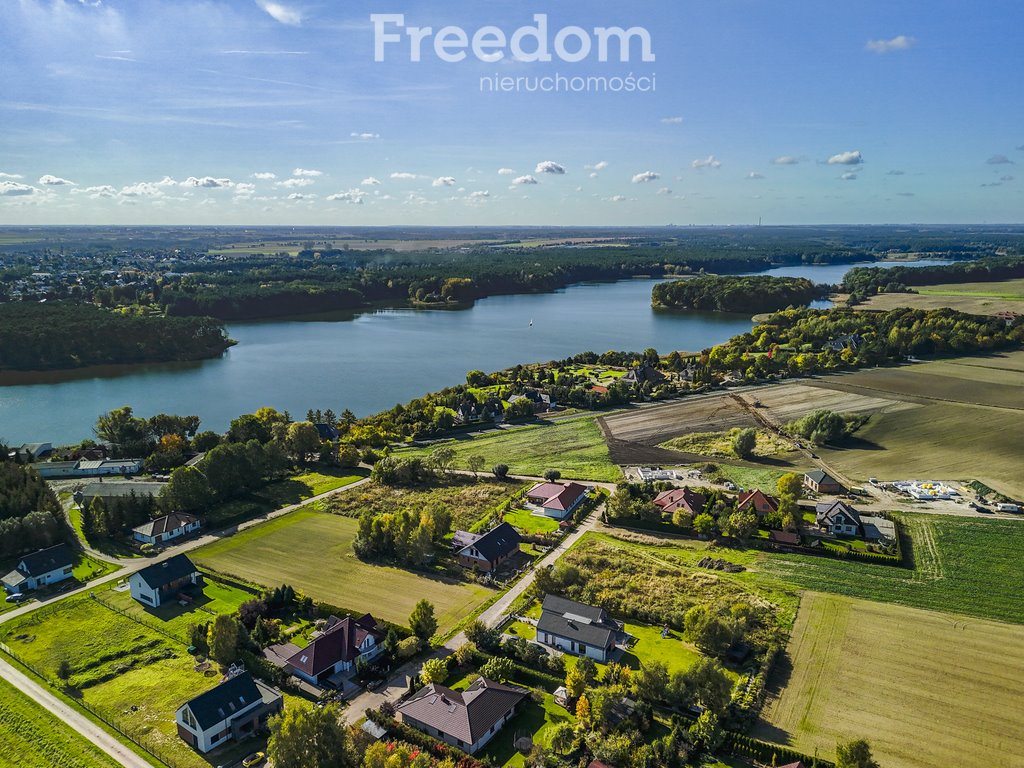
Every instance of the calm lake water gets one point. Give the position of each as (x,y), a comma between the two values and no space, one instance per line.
(367,363)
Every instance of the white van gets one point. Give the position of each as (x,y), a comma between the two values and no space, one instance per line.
(1008,507)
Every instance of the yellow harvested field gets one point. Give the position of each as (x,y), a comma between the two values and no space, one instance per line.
(789,402)
(927,689)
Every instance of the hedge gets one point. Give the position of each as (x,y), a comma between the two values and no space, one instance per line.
(771,754)
(414,736)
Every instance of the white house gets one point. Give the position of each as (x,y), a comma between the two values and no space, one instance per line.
(578,628)
(47,566)
(838,518)
(557,500)
(88,468)
(342,642)
(166,528)
(166,579)
(234,709)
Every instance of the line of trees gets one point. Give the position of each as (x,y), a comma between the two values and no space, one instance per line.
(30,514)
(866,281)
(752,294)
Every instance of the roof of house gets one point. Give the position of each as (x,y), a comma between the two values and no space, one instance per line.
(465,715)
(165,524)
(339,642)
(167,571)
(825,511)
(559,496)
(14,579)
(326,431)
(759,500)
(46,560)
(797,764)
(117,488)
(577,621)
(224,701)
(683,498)
(820,476)
(462,539)
(497,542)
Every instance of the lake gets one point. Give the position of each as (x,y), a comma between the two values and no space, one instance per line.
(367,363)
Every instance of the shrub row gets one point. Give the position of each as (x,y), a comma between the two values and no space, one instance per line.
(770,754)
(411,735)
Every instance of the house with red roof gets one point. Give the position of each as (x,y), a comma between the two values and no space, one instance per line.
(757,501)
(681,498)
(337,648)
(557,500)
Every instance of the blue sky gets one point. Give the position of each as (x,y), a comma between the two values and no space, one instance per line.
(275,112)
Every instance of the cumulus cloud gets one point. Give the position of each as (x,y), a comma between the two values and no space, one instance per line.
(300,196)
(506,172)
(443,181)
(708,162)
(370,181)
(306,172)
(294,183)
(403,176)
(785,160)
(365,135)
(353,196)
(520,180)
(999,160)
(596,167)
(852,157)
(898,43)
(664,191)
(672,120)
(549,166)
(617,199)
(11,176)
(96,193)
(849,176)
(646,176)
(755,175)
(479,194)
(206,182)
(281,13)
(55,181)
(244,189)
(265,175)
(14,189)
(142,189)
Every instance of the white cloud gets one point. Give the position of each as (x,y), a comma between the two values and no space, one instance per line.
(354,196)
(549,166)
(142,189)
(617,199)
(785,160)
(676,120)
(96,193)
(898,43)
(664,191)
(999,160)
(506,172)
(520,180)
(404,176)
(300,196)
(55,181)
(281,13)
(708,162)
(755,175)
(206,182)
(244,189)
(443,181)
(14,189)
(365,135)
(852,157)
(293,183)
(370,181)
(849,176)
(11,176)
(265,175)
(596,167)
(479,194)
(306,172)
(640,178)
(167,181)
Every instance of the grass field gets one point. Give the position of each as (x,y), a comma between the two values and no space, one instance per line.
(720,443)
(467,499)
(530,523)
(573,446)
(1002,289)
(31,736)
(535,720)
(928,690)
(307,484)
(312,551)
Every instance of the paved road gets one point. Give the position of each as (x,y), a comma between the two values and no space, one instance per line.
(72,717)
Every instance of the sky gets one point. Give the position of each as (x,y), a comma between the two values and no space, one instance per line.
(279,112)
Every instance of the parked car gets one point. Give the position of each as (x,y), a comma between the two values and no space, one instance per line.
(256,758)
(17,597)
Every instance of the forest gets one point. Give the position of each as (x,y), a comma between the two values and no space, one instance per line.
(39,336)
(865,281)
(30,515)
(753,294)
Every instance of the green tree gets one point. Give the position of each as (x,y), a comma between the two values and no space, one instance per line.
(475,462)
(122,428)
(744,442)
(308,737)
(303,440)
(790,483)
(422,621)
(854,754)
(500,471)
(682,518)
(706,733)
(249,427)
(498,668)
(441,458)
(709,685)
(743,524)
(551,475)
(561,738)
(704,524)
(434,671)
(222,639)
(187,491)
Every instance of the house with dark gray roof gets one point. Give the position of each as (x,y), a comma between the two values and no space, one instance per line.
(116,489)
(466,719)
(45,566)
(838,518)
(164,580)
(337,648)
(236,708)
(165,528)
(578,628)
(490,550)
(820,481)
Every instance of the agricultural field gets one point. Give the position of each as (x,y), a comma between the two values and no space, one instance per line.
(573,446)
(30,736)
(312,551)
(657,424)
(307,484)
(925,688)
(719,444)
(973,298)
(467,499)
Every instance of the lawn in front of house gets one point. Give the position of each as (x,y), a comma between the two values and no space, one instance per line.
(529,523)
(534,720)
(672,651)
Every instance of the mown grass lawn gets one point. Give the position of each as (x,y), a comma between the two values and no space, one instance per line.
(312,551)
(529,523)
(308,484)
(573,446)
(672,651)
(534,720)
(31,736)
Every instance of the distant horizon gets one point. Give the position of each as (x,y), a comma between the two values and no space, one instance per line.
(585,227)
